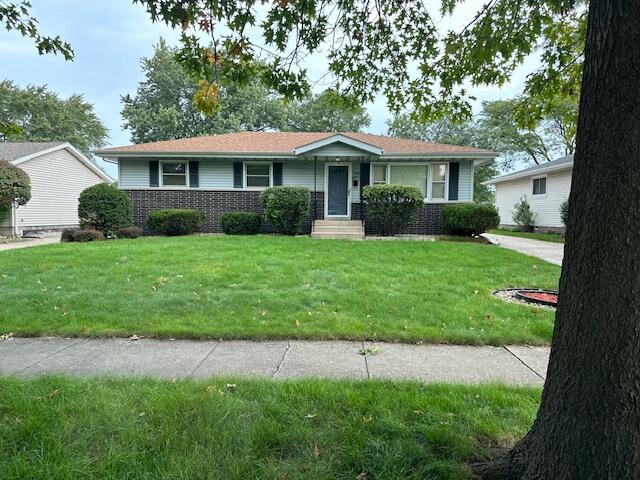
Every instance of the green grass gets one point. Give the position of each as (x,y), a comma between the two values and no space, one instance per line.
(548,237)
(59,428)
(274,287)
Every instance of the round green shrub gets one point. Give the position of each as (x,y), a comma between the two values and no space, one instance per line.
(523,215)
(15,187)
(175,221)
(467,219)
(68,234)
(87,235)
(106,208)
(129,232)
(240,223)
(286,207)
(391,208)
(564,212)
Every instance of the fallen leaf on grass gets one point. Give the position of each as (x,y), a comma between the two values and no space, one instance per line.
(133,338)
(316,450)
(362,476)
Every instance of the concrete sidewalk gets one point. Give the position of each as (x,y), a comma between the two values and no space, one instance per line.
(518,365)
(548,251)
(31,242)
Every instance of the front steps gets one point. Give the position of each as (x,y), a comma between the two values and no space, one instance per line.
(341,229)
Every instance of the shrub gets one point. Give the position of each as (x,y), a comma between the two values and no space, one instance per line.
(15,187)
(129,232)
(564,212)
(391,208)
(175,221)
(470,218)
(522,214)
(286,207)
(106,208)
(240,223)
(87,235)
(67,235)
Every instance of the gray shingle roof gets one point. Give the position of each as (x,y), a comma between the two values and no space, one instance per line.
(554,164)
(13,150)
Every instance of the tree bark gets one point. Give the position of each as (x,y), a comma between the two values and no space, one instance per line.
(588,425)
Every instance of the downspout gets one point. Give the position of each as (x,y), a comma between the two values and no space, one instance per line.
(14,219)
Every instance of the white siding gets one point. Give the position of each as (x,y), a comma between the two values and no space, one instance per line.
(546,207)
(216,173)
(465,181)
(56,182)
(133,173)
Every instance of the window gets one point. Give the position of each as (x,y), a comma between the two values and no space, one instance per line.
(379,173)
(438,181)
(539,186)
(415,175)
(257,175)
(174,174)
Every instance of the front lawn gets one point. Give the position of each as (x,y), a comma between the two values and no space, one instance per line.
(274,287)
(547,237)
(68,429)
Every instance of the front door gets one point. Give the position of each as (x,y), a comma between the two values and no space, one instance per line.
(337,190)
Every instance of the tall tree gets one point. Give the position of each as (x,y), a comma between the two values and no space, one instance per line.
(454,133)
(40,115)
(587,425)
(327,112)
(163,109)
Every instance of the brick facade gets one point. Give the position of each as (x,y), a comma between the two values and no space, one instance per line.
(216,202)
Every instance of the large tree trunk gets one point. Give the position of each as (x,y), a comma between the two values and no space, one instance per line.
(588,425)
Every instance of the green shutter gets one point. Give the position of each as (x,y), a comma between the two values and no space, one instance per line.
(454,176)
(154,173)
(277,173)
(237,174)
(194,174)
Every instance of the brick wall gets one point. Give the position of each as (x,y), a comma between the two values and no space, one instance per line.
(214,203)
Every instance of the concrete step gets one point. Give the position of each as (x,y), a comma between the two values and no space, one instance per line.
(340,236)
(338,229)
(337,223)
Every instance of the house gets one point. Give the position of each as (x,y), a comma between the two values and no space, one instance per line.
(227,172)
(545,187)
(58,173)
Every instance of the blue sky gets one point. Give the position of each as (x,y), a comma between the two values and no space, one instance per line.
(109,37)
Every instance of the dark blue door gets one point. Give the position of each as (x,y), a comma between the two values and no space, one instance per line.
(338,194)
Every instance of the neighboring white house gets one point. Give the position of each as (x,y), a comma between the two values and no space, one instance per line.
(545,186)
(58,174)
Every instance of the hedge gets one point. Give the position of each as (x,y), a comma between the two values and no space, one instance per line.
(286,207)
(106,208)
(175,221)
(391,208)
(82,235)
(470,218)
(240,223)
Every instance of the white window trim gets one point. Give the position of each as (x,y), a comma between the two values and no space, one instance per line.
(244,175)
(546,186)
(429,166)
(371,171)
(186,174)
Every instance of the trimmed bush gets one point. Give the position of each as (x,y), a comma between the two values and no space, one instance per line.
(67,235)
(469,218)
(106,208)
(523,215)
(15,187)
(391,208)
(240,223)
(175,221)
(286,207)
(564,212)
(87,235)
(129,232)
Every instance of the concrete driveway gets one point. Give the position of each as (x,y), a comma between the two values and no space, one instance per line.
(31,242)
(548,251)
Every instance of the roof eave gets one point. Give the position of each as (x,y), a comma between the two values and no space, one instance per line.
(530,173)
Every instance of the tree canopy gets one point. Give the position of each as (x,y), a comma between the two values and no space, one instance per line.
(163,106)
(37,114)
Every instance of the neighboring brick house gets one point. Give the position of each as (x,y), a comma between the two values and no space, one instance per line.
(227,172)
